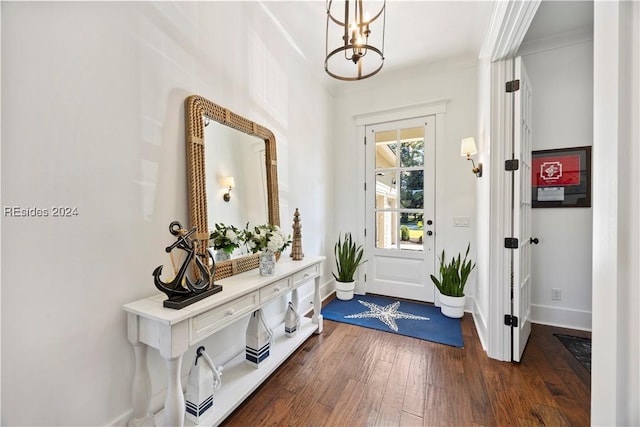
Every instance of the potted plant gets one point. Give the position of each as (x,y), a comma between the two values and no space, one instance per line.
(269,240)
(453,278)
(225,239)
(348,259)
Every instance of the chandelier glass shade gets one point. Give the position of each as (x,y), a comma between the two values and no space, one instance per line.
(354,39)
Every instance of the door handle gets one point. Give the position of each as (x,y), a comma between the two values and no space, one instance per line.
(534,240)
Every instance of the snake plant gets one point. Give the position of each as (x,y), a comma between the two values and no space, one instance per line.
(453,275)
(348,258)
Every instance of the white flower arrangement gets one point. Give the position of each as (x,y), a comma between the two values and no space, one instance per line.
(226,237)
(266,237)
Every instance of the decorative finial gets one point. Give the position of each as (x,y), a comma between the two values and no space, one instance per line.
(296,248)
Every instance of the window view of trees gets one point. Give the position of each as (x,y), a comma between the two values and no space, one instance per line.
(400,183)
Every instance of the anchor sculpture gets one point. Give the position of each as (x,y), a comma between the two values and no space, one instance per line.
(181,290)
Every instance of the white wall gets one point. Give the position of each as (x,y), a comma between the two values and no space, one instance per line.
(562,85)
(93,103)
(455,81)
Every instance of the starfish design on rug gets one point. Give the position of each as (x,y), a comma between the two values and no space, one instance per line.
(387,314)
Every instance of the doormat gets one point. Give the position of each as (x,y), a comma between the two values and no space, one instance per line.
(579,347)
(412,319)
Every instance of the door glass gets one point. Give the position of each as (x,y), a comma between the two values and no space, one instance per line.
(412,150)
(411,231)
(386,145)
(412,189)
(386,231)
(386,190)
(399,202)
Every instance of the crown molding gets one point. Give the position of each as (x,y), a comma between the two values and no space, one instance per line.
(509,23)
(570,38)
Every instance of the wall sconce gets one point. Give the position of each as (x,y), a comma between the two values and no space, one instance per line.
(468,149)
(229,183)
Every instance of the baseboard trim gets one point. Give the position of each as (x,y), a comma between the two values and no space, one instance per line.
(561,317)
(480,323)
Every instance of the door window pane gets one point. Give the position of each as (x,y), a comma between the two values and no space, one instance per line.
(412,189)
(412,147)
(386,190)
(386,149)
(386,232)
(411,231)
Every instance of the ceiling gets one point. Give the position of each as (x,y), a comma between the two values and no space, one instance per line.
(554,18)
(416,31)
(420,32)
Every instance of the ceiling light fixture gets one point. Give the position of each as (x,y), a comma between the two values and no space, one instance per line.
(352,25)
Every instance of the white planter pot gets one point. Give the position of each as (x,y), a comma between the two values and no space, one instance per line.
(344,290)
(436,298)
(452,306)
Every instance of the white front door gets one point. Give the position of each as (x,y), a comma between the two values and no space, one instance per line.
(400,211)
(521,257)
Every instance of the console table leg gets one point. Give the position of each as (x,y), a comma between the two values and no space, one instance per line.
(317,306)
(141,388)
(295,299)
(174,409)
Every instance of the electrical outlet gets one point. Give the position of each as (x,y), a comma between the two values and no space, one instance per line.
(556,294)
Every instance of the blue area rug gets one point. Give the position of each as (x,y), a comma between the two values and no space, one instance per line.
(412,319)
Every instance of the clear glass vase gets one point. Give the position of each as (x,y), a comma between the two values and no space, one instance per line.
(267,263)
(222,255)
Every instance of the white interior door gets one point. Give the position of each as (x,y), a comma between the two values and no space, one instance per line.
(521,257)
(400,211)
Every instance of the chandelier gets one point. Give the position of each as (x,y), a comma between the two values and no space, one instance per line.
(351,29)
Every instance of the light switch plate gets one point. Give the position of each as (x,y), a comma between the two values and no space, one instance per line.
(461,221)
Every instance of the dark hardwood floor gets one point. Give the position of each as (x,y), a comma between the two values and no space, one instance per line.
(352,376)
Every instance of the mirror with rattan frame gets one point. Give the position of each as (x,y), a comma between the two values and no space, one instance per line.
(197,109)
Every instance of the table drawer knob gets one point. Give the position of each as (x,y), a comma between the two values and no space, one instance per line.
(277,289)
(230,312)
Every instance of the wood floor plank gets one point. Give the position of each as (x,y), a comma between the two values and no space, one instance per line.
(316,416)
(410,420)
(394,391)
(352,376)
(414,396)
(348,401)
(367,411)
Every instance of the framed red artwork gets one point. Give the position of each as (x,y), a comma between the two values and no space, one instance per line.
(561,178)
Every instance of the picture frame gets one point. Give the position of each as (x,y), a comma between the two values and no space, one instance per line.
(561,178)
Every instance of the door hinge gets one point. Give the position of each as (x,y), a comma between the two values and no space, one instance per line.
(512,86)
(365,232)
(365,140)
(510,320)
(511,243)
(365,186)
(511,165)
(365,277)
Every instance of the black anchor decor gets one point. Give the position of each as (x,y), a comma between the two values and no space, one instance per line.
(181,291)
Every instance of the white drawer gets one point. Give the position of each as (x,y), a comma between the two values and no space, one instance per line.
(275,289)
(306,274)
(205,323)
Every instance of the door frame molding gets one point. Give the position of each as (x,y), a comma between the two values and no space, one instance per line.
(437,108)
(509,24)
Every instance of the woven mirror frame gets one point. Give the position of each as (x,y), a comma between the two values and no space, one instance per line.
(197,108)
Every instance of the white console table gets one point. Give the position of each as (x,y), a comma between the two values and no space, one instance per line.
(172,332)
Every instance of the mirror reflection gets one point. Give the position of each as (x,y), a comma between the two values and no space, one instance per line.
(235,180)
